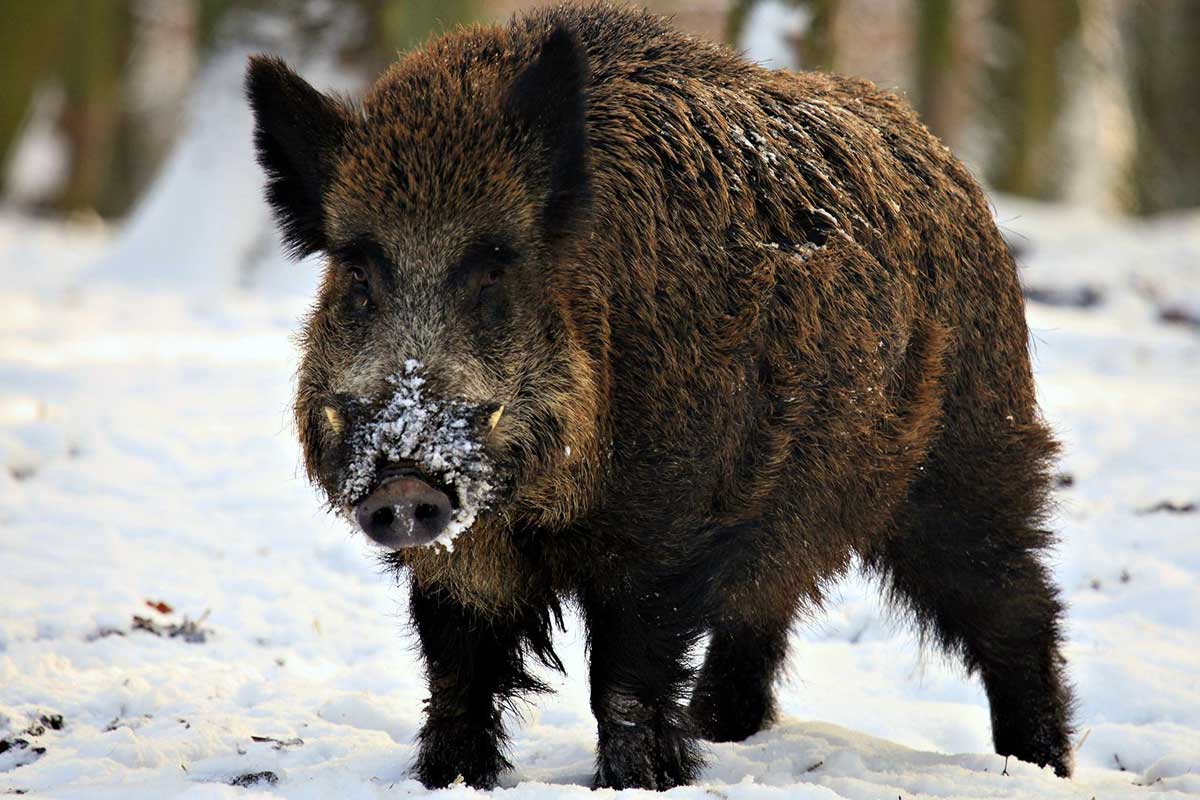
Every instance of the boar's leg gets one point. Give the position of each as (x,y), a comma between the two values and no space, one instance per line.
(966,561)
(639,671)
(735,695)
(1000,613)
(475,667)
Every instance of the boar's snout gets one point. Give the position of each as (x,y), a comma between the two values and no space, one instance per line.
(404,511)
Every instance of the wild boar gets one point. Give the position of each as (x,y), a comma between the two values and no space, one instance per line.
(611,316)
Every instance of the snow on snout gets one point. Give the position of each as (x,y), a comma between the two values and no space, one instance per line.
(438,435)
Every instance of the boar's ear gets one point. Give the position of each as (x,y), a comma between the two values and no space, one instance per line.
(549,99)
(297,132)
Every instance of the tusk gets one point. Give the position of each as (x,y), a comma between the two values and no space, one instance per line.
(335,419)
(494,419)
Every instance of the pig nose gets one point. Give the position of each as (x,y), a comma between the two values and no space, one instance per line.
(404,511)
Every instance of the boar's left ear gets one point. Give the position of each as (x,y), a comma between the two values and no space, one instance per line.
(297,132)
(549,99)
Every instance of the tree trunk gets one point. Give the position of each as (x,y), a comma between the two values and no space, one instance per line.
(1163,42)
(816,47)
(938,63)
(31,40)
(97,44)
(1030,87)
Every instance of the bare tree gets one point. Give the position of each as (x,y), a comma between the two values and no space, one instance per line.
(1163,41)
(1030,83)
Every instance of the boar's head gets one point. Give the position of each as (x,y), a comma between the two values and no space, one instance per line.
(443,380)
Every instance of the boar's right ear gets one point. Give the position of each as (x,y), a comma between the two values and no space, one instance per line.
(297,133)
(549,100)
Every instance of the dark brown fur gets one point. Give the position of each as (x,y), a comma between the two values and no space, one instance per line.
(770,327)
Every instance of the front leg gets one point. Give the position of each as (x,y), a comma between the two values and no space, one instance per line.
(639,670)
(475,664)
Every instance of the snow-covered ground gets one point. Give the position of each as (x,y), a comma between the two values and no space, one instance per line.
(146,454)
(148,470)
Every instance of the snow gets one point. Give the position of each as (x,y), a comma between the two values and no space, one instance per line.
(147,456)
(37,166)
(208,194)
(770,29)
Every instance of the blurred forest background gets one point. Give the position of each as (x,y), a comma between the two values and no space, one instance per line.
(1090,102)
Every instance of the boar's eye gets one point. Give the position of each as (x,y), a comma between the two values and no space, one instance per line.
(493,269)
(483,267)
(490,278)
(359,292)
(354,264)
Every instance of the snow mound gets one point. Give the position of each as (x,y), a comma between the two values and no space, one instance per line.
(204,224)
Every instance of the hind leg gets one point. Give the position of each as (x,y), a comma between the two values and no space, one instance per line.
(734,695)
(966,561)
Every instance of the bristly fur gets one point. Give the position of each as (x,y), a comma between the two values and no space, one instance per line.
(747,326)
